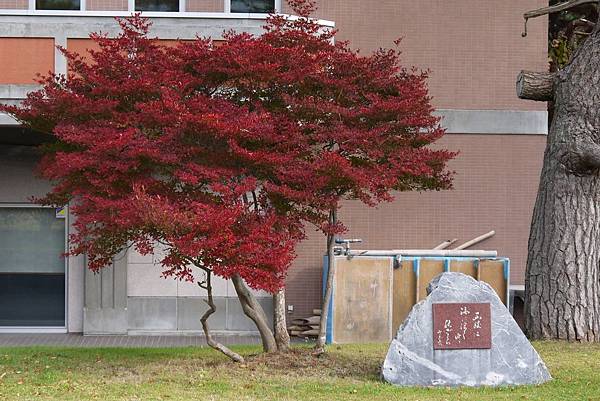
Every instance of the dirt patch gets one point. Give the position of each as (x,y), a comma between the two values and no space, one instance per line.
(303,362)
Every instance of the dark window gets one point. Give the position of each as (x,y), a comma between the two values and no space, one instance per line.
(156,5)
(32,269)
(32,299)
(57,5)
(252,6)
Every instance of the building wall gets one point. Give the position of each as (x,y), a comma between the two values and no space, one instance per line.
(18,184)
(205,6)
(473,48)
(14,4)
(106,5)
(21,59)
(474,51)
(494,189)
(166,304)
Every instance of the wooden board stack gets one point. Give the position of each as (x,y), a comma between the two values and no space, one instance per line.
(306,327)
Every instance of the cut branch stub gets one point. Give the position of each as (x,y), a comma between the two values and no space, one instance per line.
(535,86)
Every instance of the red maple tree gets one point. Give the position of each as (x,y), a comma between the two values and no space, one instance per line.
(222,153)
(346,126)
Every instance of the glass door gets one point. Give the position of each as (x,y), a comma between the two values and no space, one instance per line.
(32,268)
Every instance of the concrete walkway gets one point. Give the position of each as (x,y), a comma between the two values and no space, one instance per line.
(157,341)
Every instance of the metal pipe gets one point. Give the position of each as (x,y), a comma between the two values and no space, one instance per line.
(446,244)
(476,240)
(425,252)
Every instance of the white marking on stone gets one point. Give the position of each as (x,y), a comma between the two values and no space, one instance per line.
(402,350)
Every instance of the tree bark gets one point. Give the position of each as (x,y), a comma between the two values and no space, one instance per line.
(255,312)
(282,338)
(562,285)
(321,338)
(204,320)
(535,86)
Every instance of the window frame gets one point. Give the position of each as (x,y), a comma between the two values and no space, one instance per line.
(44,329)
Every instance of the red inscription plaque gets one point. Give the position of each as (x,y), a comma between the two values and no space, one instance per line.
(462,326)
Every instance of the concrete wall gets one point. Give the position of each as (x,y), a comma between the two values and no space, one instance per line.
(131,297)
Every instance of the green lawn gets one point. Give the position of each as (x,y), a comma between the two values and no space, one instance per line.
(349,372)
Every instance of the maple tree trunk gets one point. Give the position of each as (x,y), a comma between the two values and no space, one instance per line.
(204,320)
(255,312)
(282,338)
(562,285)
(321,338)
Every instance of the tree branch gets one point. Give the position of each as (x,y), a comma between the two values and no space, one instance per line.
(204,320)
(535,86)
(556,8)
(553,9)
(590,156)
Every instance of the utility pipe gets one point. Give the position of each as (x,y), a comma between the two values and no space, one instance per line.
(426,252)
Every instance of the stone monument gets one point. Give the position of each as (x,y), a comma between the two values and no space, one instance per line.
(461,335)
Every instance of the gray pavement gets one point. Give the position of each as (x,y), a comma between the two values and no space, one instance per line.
(151,341)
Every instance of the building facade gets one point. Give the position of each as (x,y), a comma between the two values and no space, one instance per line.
(474,50)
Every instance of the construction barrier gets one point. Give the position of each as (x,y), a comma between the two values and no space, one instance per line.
(372,295)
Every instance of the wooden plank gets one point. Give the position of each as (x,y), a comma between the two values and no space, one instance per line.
(362,300)
(492,272)
(427,271)
(404,293)
(464,266)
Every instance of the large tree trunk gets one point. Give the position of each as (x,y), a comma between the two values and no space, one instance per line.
(255,312)
(282,337)
(562,280)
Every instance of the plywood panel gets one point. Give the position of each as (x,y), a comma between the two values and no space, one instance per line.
(428,269)
(492,272)
(464,266)
(404,293)
(362,300)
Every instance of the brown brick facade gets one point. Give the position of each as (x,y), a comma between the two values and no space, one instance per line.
(14,4)
(215,6)
(106,5)
(34,55)
(473,48)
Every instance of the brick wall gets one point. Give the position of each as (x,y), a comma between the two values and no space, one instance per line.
(106,5)
(14,4)
(22,58)
(473,48)
(495,187)
(215,6)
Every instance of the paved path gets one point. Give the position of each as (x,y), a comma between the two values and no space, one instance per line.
(78,340)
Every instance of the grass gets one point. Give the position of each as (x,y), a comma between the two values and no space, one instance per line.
(349,372)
